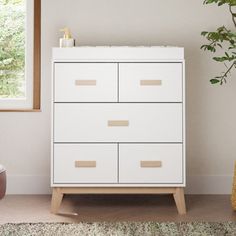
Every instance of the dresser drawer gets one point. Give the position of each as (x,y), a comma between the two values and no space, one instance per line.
(118,122)
(150,82)
(85,82)
(85,163)
(151,163)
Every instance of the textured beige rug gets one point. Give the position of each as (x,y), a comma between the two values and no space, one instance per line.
(120,229)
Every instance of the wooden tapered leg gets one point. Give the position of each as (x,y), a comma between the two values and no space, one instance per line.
(57,197)
(180,201)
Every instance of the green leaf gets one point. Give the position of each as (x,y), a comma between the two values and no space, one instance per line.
(204,33)
(219,59)
(214,81)
(221,2)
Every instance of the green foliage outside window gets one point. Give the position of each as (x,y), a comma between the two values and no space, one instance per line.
(12,48)
(223,39)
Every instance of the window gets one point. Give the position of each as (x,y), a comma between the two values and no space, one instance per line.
(20,55)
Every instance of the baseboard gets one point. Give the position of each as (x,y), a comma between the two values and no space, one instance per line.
(206,184)
(209,184)
(28,184)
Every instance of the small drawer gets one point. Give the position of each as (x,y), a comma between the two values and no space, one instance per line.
(119,122)
(150,82)
(151,163)
(85,163)
(85,82)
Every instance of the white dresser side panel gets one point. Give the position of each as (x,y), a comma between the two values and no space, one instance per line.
(184,124)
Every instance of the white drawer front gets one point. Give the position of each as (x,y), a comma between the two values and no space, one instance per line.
(150,163)
(85,82)
(118,122)
(85,163)
(150,82)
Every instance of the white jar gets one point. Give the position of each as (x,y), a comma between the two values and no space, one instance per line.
(67,43)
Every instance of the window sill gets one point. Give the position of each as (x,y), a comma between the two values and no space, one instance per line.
(21,110)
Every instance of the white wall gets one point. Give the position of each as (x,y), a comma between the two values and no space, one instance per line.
(211,111)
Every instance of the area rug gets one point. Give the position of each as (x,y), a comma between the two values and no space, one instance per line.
(120,229)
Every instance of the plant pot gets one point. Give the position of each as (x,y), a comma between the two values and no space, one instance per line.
(3,181)
(233,197)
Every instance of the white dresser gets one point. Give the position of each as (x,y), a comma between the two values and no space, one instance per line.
(118,122)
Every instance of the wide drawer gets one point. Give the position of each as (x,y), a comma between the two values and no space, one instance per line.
(151,163)
(85,163)
(118,122)
(150,82)
(85,82)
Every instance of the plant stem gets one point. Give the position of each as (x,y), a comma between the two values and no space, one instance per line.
(233,18)
(223,77)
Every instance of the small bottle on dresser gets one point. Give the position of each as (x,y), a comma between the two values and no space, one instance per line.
(67,41)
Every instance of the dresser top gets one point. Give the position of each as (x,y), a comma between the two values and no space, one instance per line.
(119,53)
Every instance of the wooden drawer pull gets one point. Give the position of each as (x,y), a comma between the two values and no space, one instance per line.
(85,82)
(85,164)
(113,123)
(150,82)
(151,164)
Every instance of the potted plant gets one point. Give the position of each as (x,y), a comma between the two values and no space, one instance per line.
(223,40)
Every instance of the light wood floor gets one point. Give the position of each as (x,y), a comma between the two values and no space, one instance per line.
(90,208)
